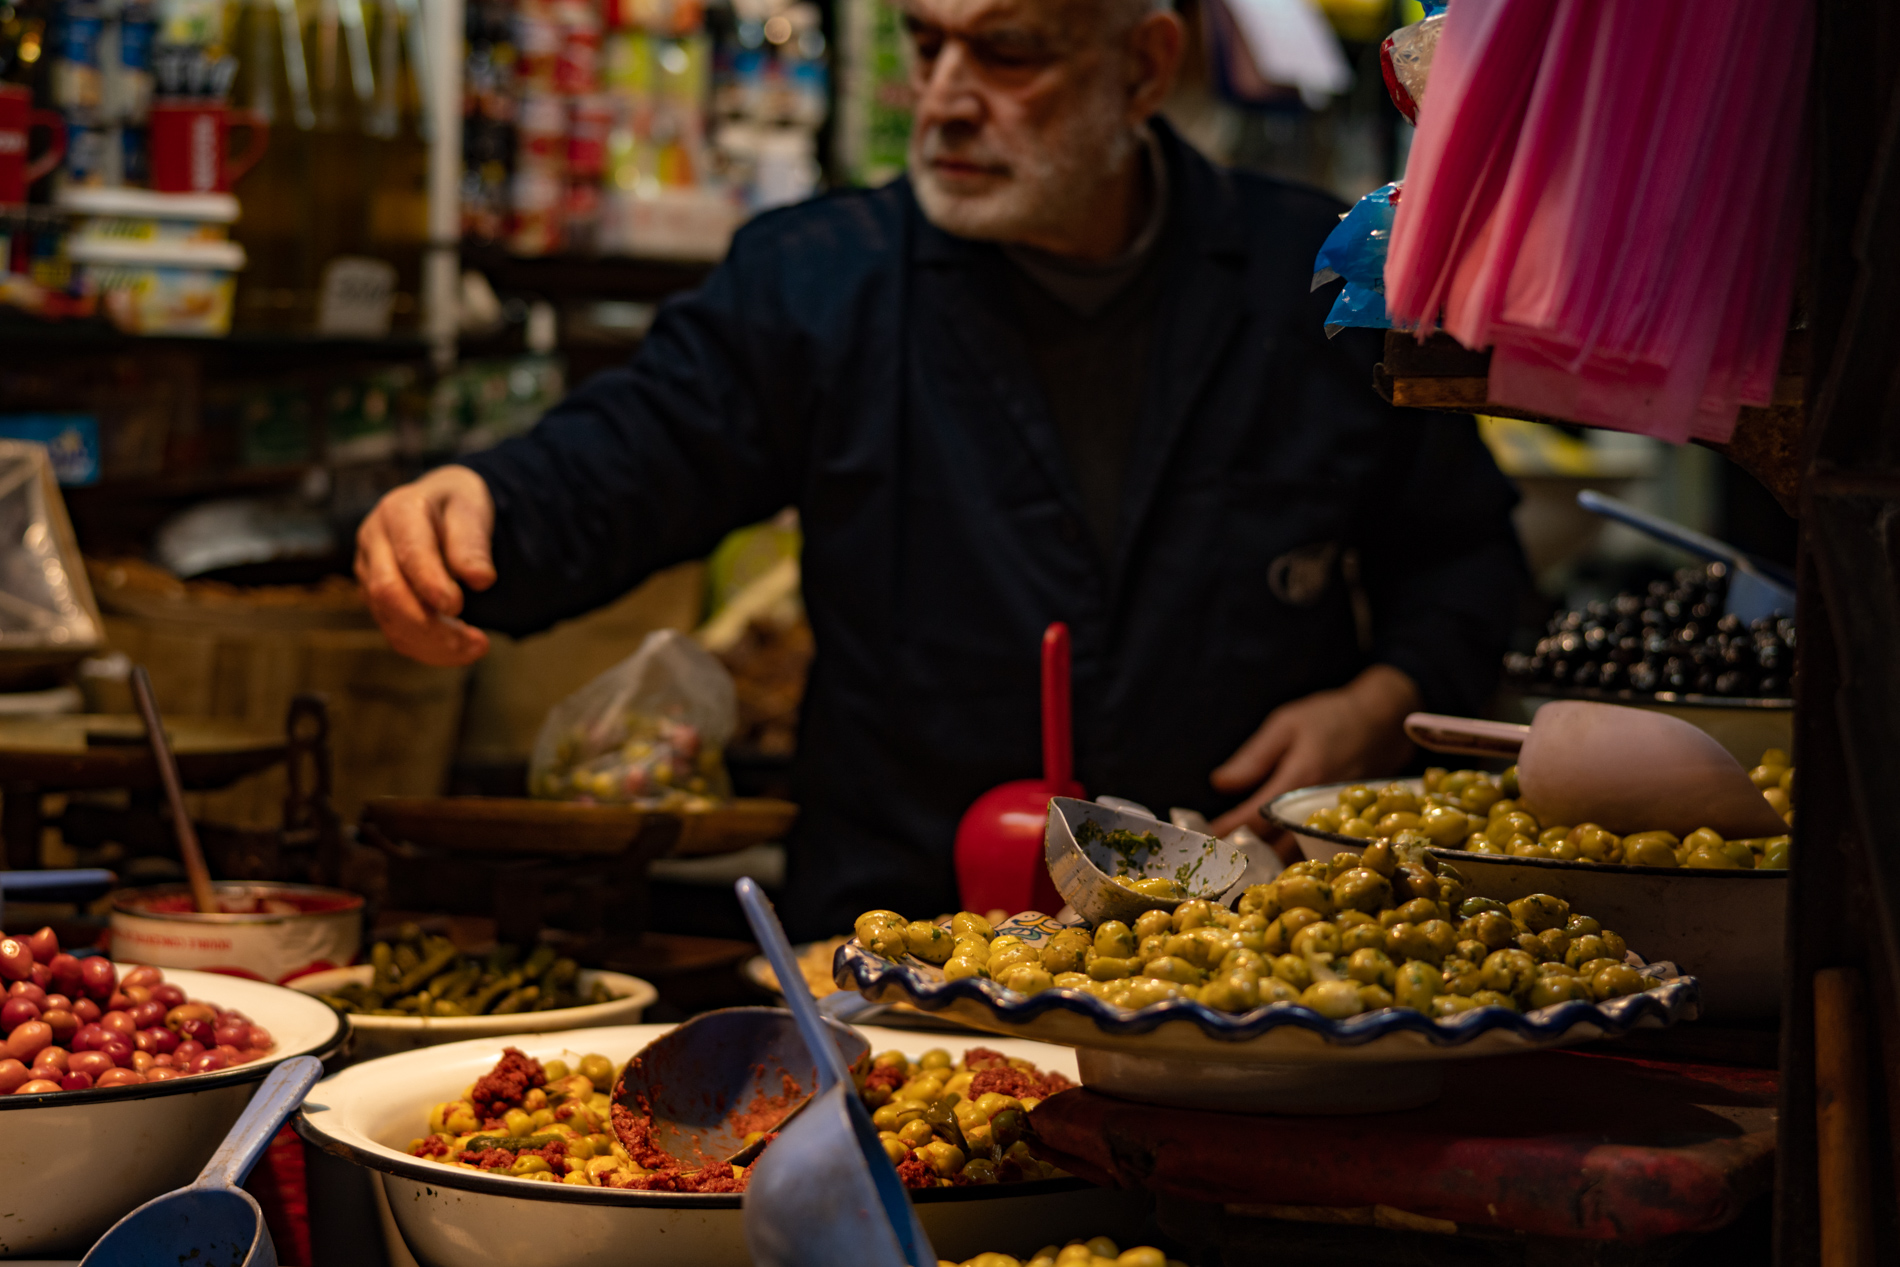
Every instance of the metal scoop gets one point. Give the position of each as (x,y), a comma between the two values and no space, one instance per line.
(824,1193)
(1754,592)
(214,1222)
(1627,769)
(1086,874)
(721,1076)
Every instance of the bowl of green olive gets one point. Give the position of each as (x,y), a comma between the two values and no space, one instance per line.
(1339,987)
(1714,907)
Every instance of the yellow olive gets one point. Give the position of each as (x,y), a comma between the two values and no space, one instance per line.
(1114,940)
(929,942)
(1508,971)
(1615,982)
(1161,923)
(1415,985)
(1547,991)
(1650,849)
(1372,967)
(1392,824)
(1294,970)
(1317,939)
(1259,899)
(1335,1000)
(1307,892)
(1362,889)
(1357,797)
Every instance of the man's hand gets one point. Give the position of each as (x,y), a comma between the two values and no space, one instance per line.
(418,541)
(1347,733)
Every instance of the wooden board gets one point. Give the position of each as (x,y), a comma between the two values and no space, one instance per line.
(522,825)
(87,750)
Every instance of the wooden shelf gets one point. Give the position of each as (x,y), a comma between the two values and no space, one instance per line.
(584,276)
(1441,373)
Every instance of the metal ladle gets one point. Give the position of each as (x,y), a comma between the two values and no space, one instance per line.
(214,1222)
(824,1193)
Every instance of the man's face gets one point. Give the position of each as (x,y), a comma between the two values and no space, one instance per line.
(1024,114)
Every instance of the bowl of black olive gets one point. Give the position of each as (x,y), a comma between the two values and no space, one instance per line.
(1671,648)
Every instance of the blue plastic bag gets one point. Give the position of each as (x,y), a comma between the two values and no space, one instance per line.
(1355,250)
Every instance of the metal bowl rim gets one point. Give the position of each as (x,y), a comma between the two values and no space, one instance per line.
(121,900)
(1557,864)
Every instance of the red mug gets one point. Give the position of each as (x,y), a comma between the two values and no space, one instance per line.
(17,119)
(189,146)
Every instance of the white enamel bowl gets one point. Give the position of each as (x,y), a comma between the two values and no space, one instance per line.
(374,1036)
(1727,928)
(450,1217)
(73,1163)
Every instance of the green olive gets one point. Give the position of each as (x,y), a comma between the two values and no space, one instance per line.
(960,967)
(1650,849)
(968,924)
(1147,991)
(1321,938)
(1362,889)
(1415,985)
(1613,983)
(1114,940)
(1027,978)
(1450,1005)
(1173,968)
(1508,971)
(598,1070)
(1613,945)
(1232,992)
(1373,996)
(1153,924)
(1508,780)
(1372,967)
(1494,930)
(928,942)
(1305,892)
(1003,959)
(1775,854)
(1197,913)
(1362,936)
(1412,880)
(1556,943)
(554,1069)
(1581,926)
(1294,970)
(1112,968)
(1548,991)
(1471,950)
(1276,990)
(1358,829)
(1358,797)
(1244,959)
(1379,856)
(1540,911)
(1259,899)
(1478,798)
(1585,948)
(1479,905)
(1335,1000)
(1494,998)
(1395,798)
(1445,826)
(1595,843)
(1710,859)
(1394,823)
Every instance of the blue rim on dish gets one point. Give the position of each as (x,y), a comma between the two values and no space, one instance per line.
(1673,997)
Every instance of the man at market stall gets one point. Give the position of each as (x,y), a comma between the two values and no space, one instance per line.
(1065,370)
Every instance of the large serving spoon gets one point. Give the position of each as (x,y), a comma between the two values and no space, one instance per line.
(824,1193)
(202,895)
(1627,769)
(214,1221)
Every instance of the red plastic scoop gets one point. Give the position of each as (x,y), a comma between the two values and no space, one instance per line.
(999,841)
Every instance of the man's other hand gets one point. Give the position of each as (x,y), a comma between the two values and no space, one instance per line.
(418,542)
(1349,733)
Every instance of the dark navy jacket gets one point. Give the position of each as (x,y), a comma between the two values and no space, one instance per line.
(852,360)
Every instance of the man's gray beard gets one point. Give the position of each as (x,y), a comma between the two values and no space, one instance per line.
(1048,190)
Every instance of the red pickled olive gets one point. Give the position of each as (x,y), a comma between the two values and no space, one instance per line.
(229,1035)
(143,1060)
(200,1032)
(144,975)
(64,1023)
(87,1011)
(39,1086)
(44,944)
(118,1048)
(13,1076)
(161,1074)
(98,977)
(57,1003)
(120,1023)
(186,1052)
(189,1012)
(16,1012)
(27,990)
(162,1059)
(89,1036)
(146,1015)
(168,994)
(120,1078)
(16,960)
(120,1002)
(156,1040)
(76,1081)
(210,1062)
(136,993)
(229,1052)
(92,1062)
(261,1038)
(29,1040)
(57,1059)
(66,972)
(41,976)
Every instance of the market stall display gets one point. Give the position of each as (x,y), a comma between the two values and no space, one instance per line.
(370,1112)
(265,930)
(67,1174)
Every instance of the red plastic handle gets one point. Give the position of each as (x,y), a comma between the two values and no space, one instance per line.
(1058,750)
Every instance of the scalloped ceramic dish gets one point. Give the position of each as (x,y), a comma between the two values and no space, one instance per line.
(1726,927)
(1277,1058)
